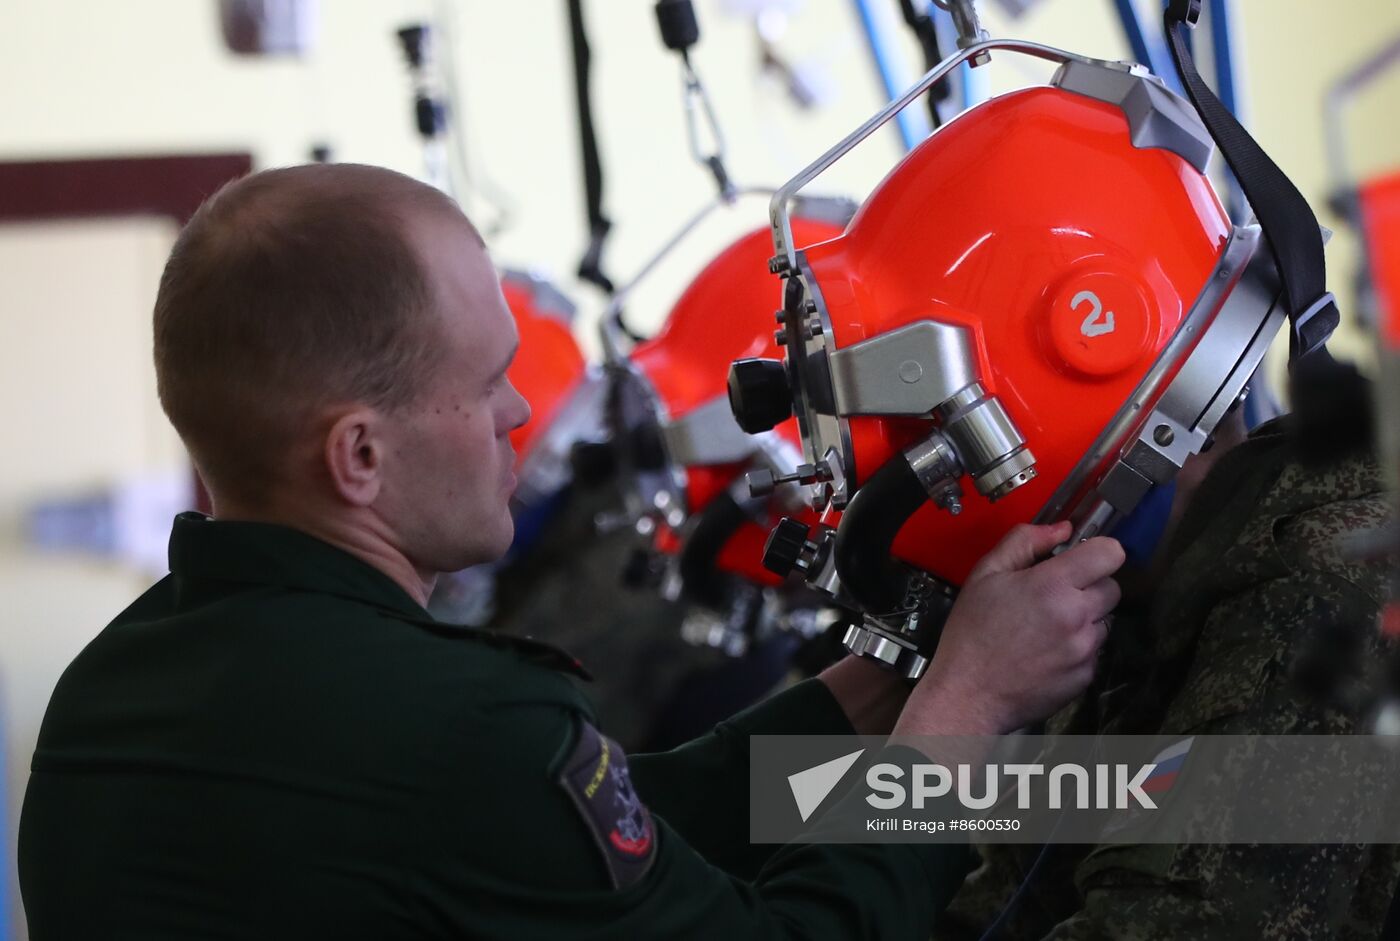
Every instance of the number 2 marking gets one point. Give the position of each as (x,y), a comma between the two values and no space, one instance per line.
(1092,325)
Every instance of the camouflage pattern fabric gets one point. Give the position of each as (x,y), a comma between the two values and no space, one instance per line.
(1262,623)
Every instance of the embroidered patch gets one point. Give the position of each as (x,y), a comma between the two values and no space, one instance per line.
(597,779)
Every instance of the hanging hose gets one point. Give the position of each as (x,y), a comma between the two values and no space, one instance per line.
(701,579)
(590,267)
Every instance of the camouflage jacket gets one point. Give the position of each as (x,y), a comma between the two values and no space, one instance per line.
(1261,624)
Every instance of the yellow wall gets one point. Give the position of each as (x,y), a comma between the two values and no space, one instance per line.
(87,77)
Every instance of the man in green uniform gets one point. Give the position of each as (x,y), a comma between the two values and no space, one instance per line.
(278,741)
(1261,619)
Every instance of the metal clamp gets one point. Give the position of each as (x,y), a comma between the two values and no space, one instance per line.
(874,642)
(968,25)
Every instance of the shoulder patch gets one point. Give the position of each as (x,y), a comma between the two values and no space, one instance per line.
(597,780)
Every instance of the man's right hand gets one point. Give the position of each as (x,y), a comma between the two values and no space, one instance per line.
(1022,638)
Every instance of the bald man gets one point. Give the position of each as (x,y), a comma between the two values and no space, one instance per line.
(278,741)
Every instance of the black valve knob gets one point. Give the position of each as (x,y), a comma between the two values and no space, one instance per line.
(785,546)
(758,394)
(642,569)
(593,462)
(648,449)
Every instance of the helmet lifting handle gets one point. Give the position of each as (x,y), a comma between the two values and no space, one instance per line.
(778,208)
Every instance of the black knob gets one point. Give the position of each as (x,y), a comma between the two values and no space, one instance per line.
(430,115)
(642,569)
(648,450)
(784,546)
(593,462)
(758,394)
(679,28)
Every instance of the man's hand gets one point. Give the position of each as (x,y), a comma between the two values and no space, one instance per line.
(1022,638)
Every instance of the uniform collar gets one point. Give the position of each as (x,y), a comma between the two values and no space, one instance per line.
(268,554)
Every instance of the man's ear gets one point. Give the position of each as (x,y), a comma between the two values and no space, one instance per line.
(354,456)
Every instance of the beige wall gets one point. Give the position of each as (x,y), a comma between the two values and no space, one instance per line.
(87,77)
(78,406)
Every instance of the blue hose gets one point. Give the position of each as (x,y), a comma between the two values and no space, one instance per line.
(910,124)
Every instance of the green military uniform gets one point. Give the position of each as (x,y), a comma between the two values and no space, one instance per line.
(1263,623)
(275,741)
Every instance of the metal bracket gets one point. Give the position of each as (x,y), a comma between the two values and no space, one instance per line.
(1157,116)
(909,371)
(707,434)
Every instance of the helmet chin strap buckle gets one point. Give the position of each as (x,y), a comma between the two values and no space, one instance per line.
(1307,336)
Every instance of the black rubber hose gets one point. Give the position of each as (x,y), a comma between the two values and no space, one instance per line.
(701,580)
(866,534)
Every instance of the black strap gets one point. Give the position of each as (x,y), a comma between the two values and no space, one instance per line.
(927,34)
(1288,223)
(590,268)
